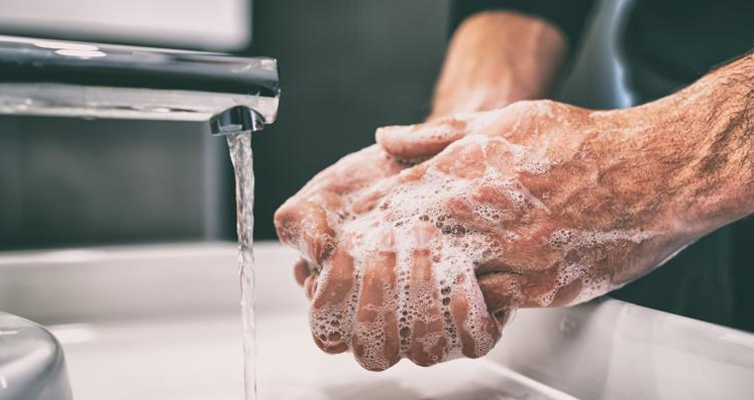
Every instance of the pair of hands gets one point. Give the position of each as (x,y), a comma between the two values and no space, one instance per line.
(422,245)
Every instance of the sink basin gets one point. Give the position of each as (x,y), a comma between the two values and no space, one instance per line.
(162,322)
(32,366)
(201,359)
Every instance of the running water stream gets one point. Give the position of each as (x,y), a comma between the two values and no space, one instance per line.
(243,165)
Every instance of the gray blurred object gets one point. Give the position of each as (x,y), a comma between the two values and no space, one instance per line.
(32,366)
(597,75)
(65,182)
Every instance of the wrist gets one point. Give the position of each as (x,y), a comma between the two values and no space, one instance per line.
(707,129)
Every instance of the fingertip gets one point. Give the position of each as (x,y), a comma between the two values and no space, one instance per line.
(421,360)
(330,348)
(501,291)
(373,367)
(376,306)
(285,221)
(397,141)
(386,136)
(317,234)
(301,271)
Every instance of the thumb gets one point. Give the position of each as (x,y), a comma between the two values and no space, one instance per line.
(417,142)
(413,143)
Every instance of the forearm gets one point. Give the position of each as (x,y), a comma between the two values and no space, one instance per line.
(694,160)
(496,58)
(723,164)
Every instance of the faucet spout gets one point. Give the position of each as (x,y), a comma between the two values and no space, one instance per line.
(236,120)
(55,78)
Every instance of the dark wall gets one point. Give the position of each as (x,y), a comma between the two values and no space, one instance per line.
(347,67)
(72,182)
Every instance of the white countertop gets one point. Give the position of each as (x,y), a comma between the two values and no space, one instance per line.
(162,322)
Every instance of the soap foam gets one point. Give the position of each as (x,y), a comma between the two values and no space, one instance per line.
(453,251)
(593,283)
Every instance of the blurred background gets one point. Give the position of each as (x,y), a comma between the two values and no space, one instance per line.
(347,67)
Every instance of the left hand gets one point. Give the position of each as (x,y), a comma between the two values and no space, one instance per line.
(549,204)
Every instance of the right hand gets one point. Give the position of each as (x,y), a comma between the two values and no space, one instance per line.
(376,304)
(307,221)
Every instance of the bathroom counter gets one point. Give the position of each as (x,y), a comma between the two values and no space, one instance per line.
(162,322)
(202,359)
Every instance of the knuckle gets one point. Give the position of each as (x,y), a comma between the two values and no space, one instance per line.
(542,108)
(286,223)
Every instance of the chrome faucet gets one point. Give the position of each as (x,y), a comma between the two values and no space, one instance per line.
(60,78)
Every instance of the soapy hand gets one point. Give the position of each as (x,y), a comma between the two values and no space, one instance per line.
(552,204)
(538,204)
(379,290)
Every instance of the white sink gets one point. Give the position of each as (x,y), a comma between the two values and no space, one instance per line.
(201,359)
(162,322)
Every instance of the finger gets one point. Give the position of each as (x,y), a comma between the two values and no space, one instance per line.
(369,201)
(506,290)
(376,343)
(301,271)
(501,292)
(428,342)
(310,286)
(540,288)
(421,141)
(567,294)
(475,327)
(304,225)
(331,313)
